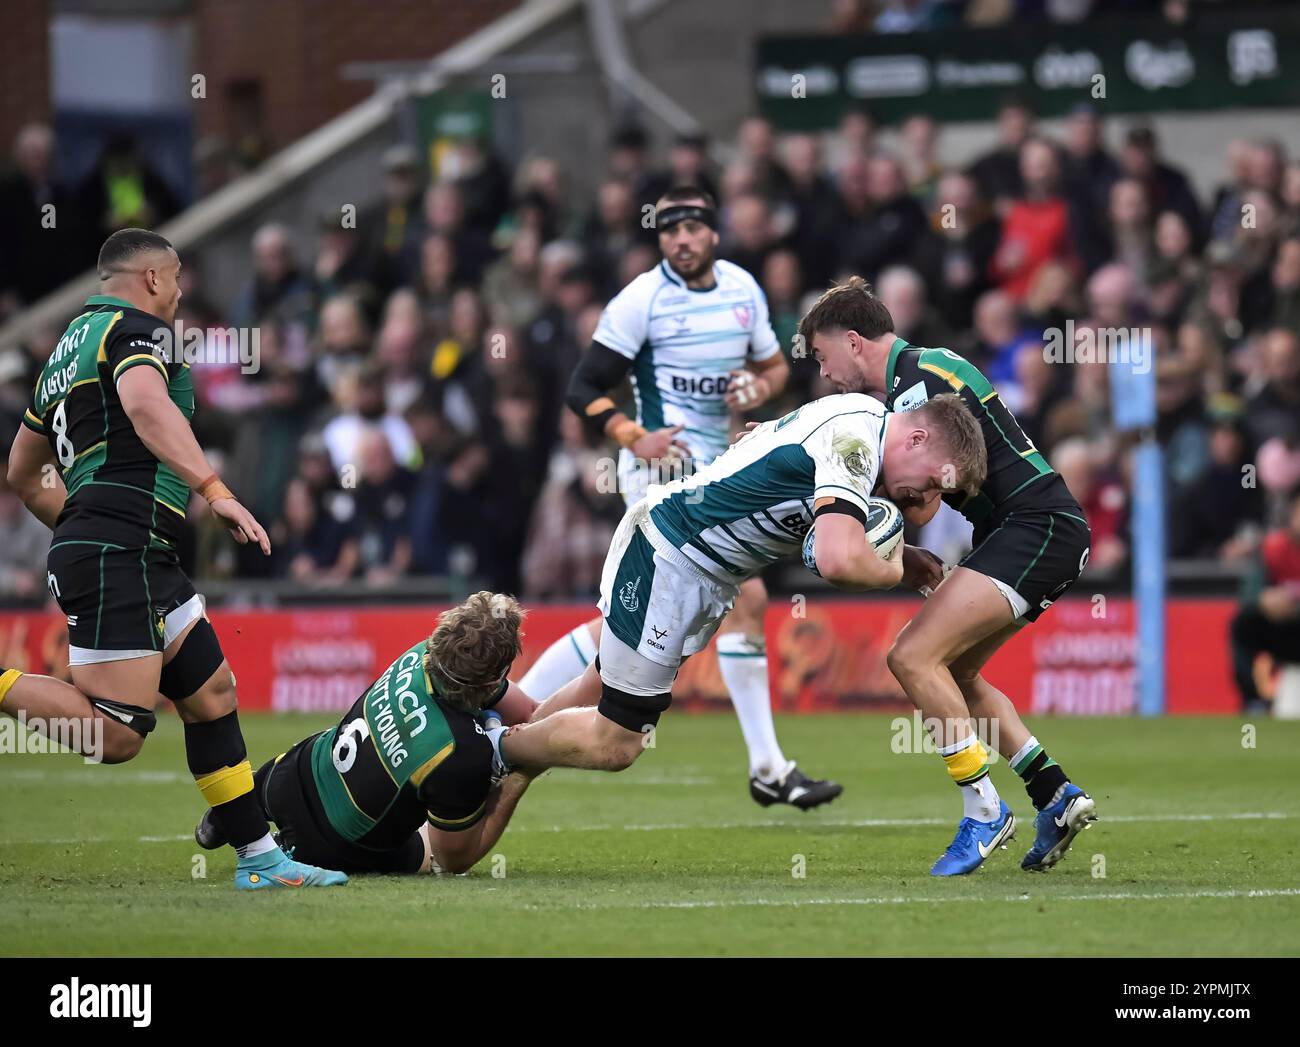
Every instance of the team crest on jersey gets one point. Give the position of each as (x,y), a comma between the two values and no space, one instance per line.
(743,315)
(628,597)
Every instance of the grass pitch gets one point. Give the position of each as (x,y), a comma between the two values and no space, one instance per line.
(1198,845)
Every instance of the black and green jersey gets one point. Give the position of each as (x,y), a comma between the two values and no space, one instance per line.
(400,755)
(118,491)
(1018,474)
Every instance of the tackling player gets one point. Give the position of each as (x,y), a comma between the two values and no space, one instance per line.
(403,784)
(693,335)
(1030,544)
(678,558)
(106,459)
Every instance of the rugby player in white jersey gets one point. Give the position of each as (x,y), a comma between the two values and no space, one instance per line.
(679,557)
(694,337)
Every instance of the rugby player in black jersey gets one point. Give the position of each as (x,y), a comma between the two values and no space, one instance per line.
(1030,544)
(106,458)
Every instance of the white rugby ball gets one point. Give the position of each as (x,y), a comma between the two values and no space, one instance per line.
(884,530)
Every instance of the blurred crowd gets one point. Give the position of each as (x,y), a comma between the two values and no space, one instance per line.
(407,415)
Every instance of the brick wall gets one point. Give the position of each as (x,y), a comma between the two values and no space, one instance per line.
(24,67)
(292,51)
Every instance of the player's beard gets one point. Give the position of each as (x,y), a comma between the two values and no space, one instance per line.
(702,266)
(856,382)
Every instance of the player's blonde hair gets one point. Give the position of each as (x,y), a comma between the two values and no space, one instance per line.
(473,647)
(951,421)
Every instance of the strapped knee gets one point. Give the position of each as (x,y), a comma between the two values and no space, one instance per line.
(199,657)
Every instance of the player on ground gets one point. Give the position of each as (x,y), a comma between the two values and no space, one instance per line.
(678,558)
(1030,544)
(694,337)
(106,458)
(404,783)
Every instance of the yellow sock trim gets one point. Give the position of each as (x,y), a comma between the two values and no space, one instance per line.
(969,763)
(7,679)
(227,784)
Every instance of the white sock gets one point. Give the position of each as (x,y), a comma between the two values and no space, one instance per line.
(743,663)
(980,800)
(252,850)
(564,660)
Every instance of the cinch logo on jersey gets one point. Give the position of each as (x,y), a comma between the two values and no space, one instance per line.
(380,705)
(75,1000)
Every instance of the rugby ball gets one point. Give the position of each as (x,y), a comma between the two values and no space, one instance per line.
(884,530)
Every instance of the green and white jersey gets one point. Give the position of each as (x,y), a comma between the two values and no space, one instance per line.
(118,490)
(753,505)
(402,755)
(684,344)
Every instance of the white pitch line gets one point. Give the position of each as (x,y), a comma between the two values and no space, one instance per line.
(795,903)
(856,823)
(892,823)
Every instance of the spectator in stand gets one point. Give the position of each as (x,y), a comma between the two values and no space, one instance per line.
(816,209)
(998,334)
(444,215)
(756,144)
(359,395)
(999,173)
(437,280)
(889,233)
(628,158)
(1131,239)
(308,546)
(1100,495)
(902,291)
(612,227)
(22,554)
(1036,227)
(919,137)
(1269,619)
(1175,272)
(124,191)
(510,286)
(1272,408)
(747,235)
(1219,516)
(574,521)
(382,527)
(1284,285)
(343,339)
(279,290)
(1089,171)
(954,259)
(1225,211)
(342,263)
(392,224)
(402,351)
(1167,188)
(483,182)
(782,282)
(688,164)
(42,246)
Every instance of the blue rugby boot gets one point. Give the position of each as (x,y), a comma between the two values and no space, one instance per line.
(274,869)
(974,842)
(1057,825)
